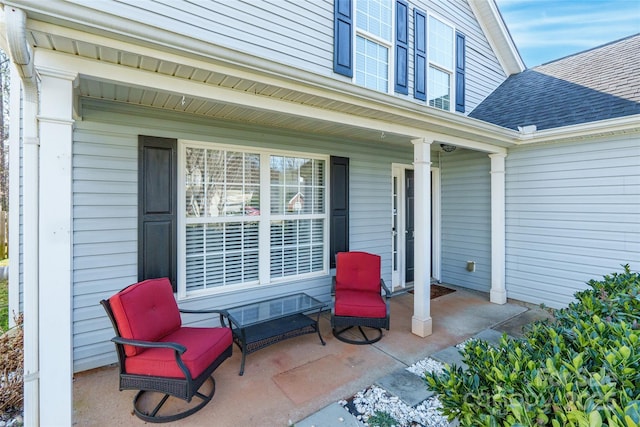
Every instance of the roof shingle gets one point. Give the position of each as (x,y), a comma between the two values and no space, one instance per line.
(598,84)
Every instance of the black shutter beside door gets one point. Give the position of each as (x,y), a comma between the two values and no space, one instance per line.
(339,209)
(157,210)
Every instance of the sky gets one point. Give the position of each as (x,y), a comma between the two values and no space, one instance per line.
(545,30)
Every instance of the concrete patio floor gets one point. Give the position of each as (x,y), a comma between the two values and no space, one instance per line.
(291,380)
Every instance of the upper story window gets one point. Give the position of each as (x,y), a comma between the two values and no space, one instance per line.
(374,29)
(440,73)
(374,39)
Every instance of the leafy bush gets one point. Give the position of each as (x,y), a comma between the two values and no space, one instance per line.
(581,369)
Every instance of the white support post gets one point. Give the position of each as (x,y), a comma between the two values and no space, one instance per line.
(421,323)
(498,294)
(55,236)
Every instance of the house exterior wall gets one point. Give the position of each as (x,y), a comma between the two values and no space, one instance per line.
(572,214)
(105,210)
(466,218)
(300,34)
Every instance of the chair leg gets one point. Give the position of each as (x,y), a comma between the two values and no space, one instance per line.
(152,416)
(366,340)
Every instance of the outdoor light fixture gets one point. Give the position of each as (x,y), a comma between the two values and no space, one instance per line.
(448,148)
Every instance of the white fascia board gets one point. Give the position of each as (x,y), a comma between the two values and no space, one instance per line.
(497,33)
(616,126)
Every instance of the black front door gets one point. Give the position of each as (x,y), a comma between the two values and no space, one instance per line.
(409,225)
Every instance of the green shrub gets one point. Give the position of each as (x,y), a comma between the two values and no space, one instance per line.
(581,369)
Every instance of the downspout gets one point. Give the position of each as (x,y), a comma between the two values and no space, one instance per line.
(22,58)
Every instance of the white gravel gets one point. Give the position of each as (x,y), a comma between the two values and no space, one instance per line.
(375,399)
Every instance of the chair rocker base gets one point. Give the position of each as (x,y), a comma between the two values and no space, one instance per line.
(366,340)
(152,416)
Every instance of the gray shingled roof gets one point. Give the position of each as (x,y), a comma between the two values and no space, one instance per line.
(601,83)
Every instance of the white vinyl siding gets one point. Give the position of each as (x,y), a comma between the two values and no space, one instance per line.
(296,34)
(466,217)
(105,210)
(572,215)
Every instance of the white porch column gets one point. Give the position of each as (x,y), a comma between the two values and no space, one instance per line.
(498,292)
(55,236)
(421,323)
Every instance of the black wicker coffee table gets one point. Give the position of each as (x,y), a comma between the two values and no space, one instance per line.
(263,323)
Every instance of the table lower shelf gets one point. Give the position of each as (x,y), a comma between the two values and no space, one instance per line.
(261,335)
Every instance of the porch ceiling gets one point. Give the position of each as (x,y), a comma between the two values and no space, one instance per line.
(340,115)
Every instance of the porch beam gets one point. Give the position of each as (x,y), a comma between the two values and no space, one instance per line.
(498,294)
(442,138)
(55,236)
(190,89)
(421,323)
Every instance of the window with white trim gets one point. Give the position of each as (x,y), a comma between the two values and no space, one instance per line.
(231,226)
(441,63)
(374,31)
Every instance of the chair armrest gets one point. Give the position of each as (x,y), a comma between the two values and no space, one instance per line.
(150,344)
(208,311)
(333,286)
(387,291)
(224,314)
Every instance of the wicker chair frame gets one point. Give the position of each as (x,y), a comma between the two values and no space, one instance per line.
(182,388)
(342,324)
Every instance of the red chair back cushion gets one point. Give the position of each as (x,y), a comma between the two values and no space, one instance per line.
(145,311)
(358,271)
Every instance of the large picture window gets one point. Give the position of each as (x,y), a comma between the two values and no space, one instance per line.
(236,217)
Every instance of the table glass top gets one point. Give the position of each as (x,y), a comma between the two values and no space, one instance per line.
(249,314)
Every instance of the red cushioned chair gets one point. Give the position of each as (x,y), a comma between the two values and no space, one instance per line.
(158,354)
(357,297)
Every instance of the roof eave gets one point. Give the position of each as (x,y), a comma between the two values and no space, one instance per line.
(615,126)
(494,27)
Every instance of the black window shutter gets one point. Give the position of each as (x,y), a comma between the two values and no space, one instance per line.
(339,209)
(343,37)
(157,211)
(402,47)
(460,71)
(420,55)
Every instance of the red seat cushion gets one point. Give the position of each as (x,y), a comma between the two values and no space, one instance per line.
(145,311)
(360,304)
(358,271)
(203,345)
